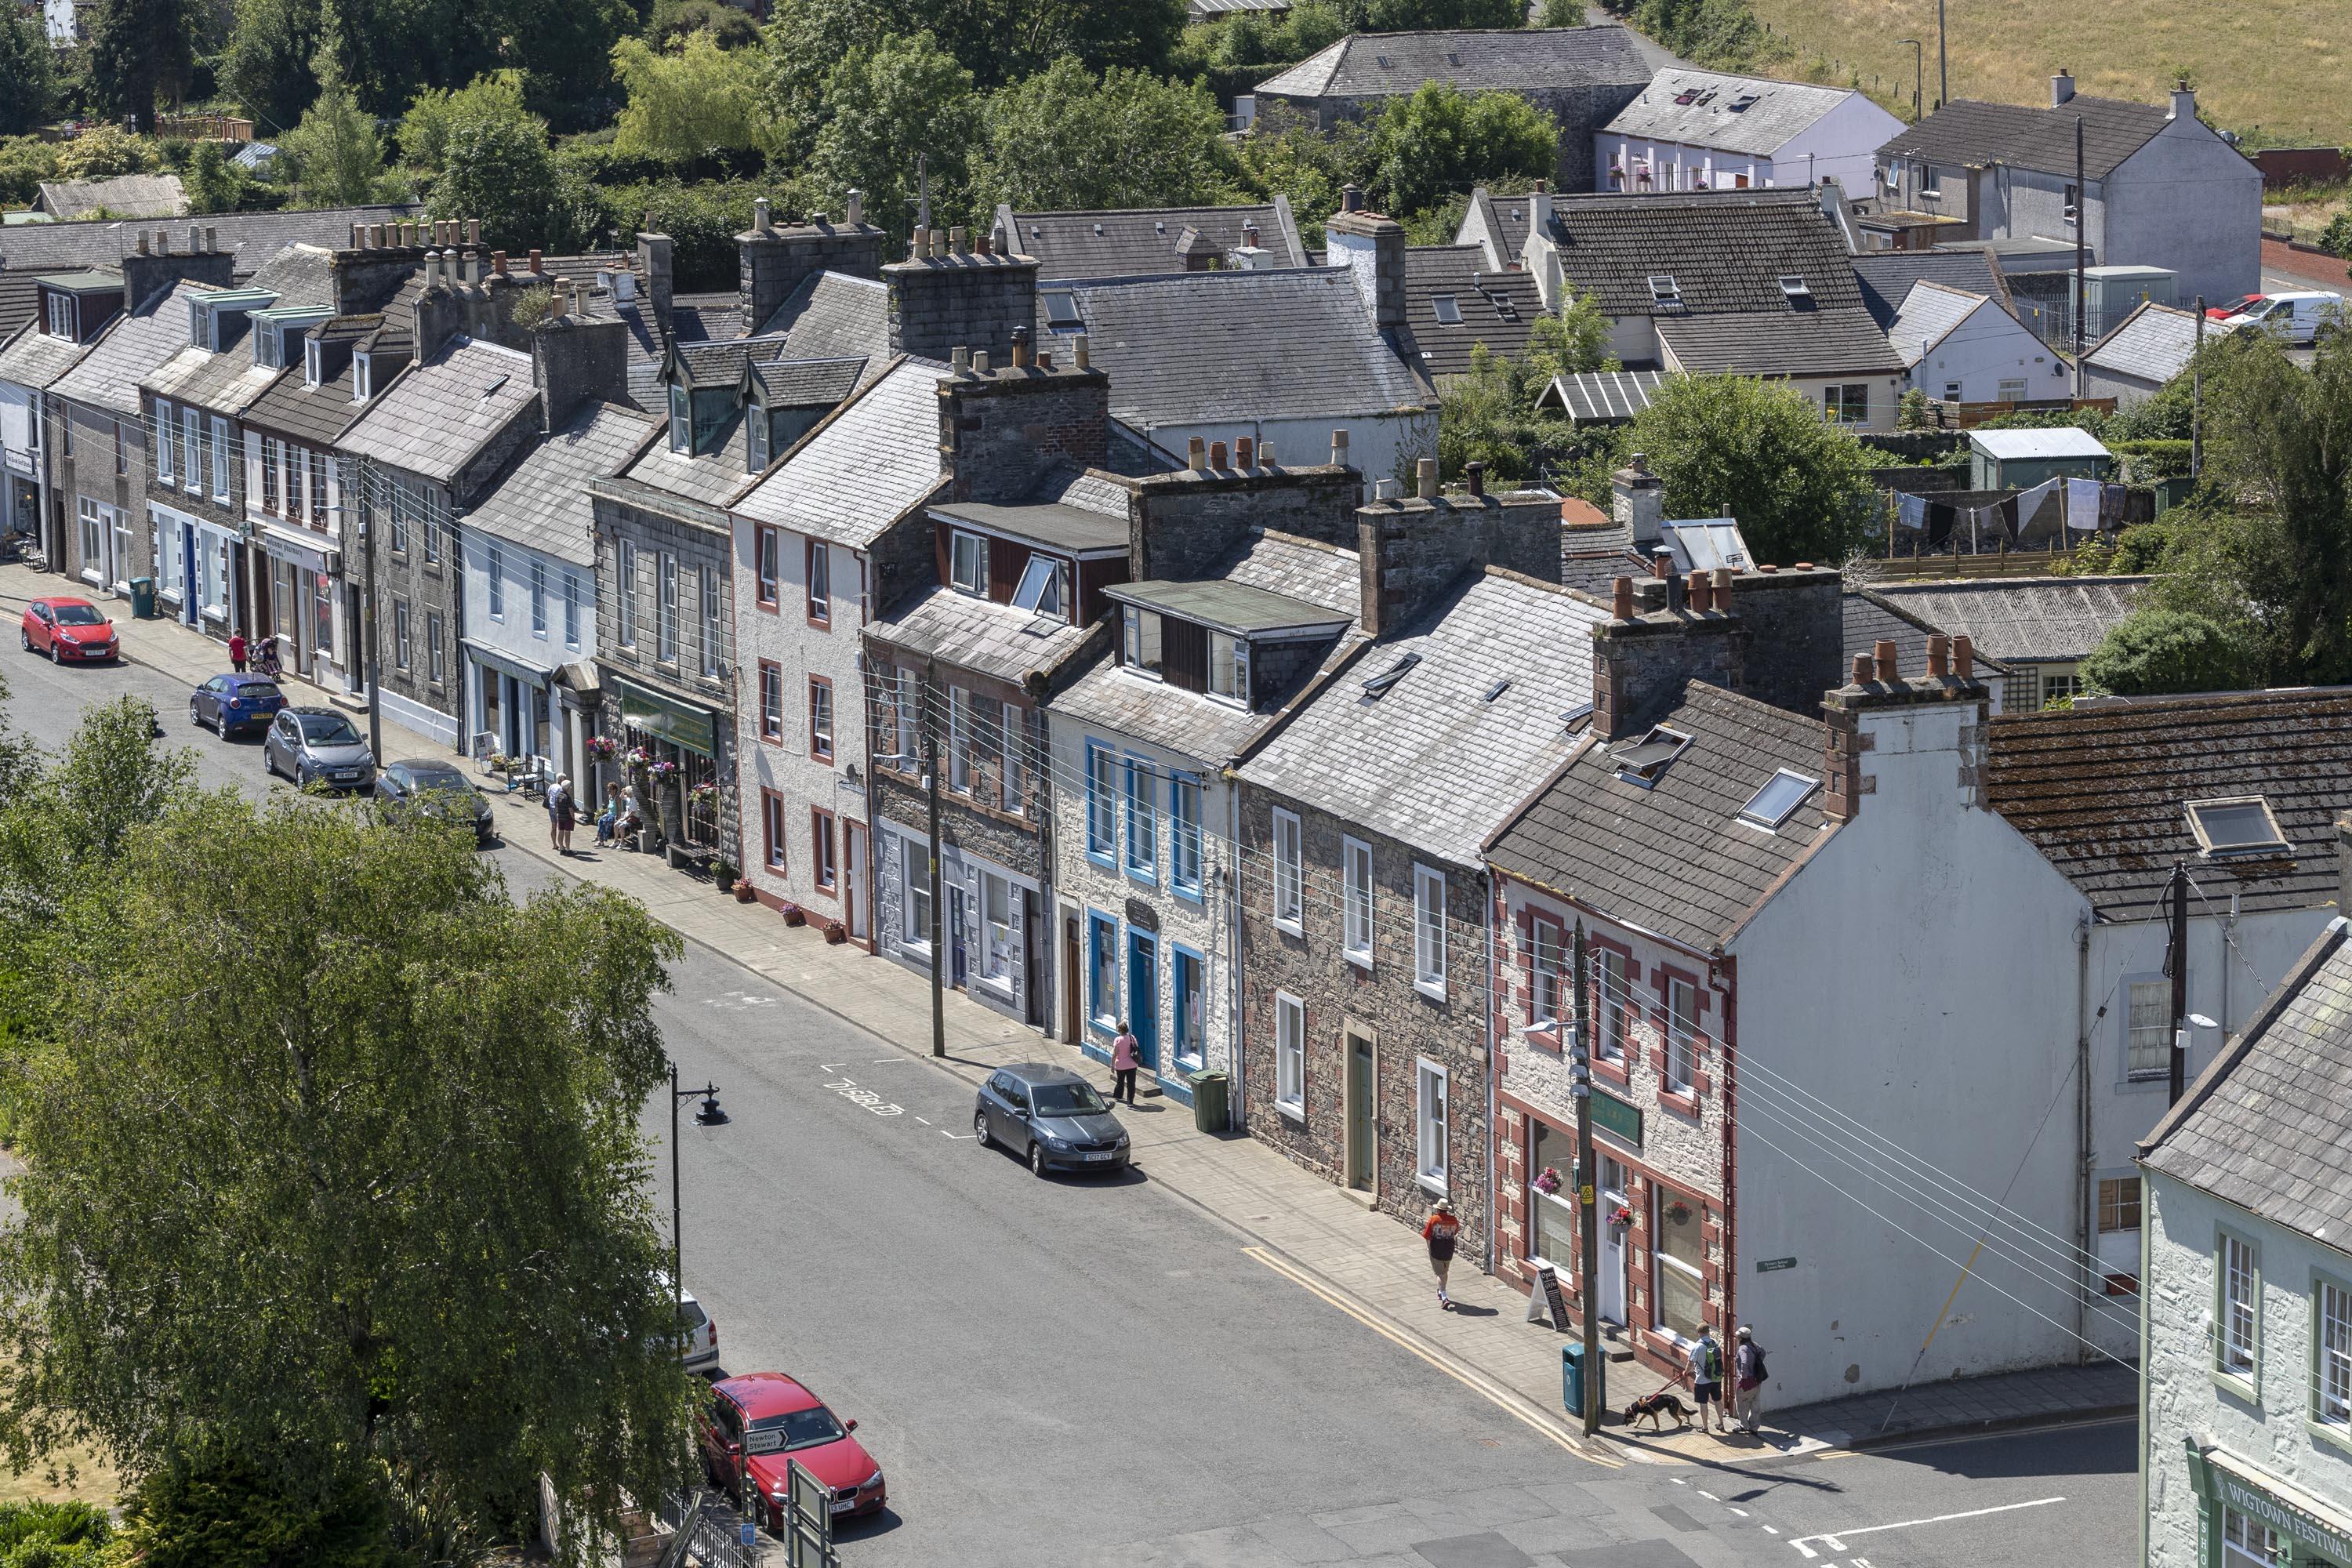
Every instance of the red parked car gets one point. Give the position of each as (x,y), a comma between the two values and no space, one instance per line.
(757,1422)
(68,628)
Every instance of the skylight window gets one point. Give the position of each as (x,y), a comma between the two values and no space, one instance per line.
(1646,760)
(1383,61)
(1453,59)
(1378,686)
(1795,288)
(1743,103)
(1449,309)
(1664,290)
(1778,799)
(1062,312)
(2236,825)
(1687,95)
(1497,688)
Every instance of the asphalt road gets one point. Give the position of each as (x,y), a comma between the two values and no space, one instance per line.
(1080,1371)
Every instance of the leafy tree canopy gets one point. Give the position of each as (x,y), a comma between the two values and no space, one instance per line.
(2156,652)
(103,152)
(1442,140)
(905,97)
(674,19)
(1799,487)
(687,101)
(424,129)
(335,150)
(1066,138)
(1417,15)
(29,82)
(140,51)
(499,169)
(1570,341)
(268,69)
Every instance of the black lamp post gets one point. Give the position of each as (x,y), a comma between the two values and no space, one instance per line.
(708,1114)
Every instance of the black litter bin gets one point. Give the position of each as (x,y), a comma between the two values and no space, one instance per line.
(1209,1090)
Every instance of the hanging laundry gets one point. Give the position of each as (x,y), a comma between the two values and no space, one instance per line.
(2086,501)
(1911,510)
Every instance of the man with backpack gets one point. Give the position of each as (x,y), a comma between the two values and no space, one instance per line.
(1704,1370)
(1748,1375)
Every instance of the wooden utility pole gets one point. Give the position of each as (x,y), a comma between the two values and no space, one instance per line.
(1588,1193)
(939,946)
(2082,248)
(2196,396)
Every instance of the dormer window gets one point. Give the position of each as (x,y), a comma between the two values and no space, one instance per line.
(362,378)
(1796,289)
(681,420)
(1045,588)
(65,321)
(968,562)
(1142,642)
(1229,667)
(311,363)
(755,439)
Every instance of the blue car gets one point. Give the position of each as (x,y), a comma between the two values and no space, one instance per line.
(231,703)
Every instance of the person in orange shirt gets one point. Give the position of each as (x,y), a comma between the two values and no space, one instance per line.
(1439,1231)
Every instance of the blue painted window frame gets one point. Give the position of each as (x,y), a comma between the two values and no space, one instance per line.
(1143,822)
(1101,929)
(1179,956)
(1102,805)
(1184,835)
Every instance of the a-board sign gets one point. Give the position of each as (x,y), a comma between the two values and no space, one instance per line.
(1547,1279)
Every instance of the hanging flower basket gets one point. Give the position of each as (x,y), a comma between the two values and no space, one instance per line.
(663,769)
(1679,1213)
(639,758)
(1548,1181)
(601,747)
(702,794)
(1621,1216)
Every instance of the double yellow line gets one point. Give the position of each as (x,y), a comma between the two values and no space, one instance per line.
(1510,1403)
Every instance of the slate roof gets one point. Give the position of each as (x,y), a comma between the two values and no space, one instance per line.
(833,315)
(2020,620)
(722,363)
(107,376)
(544,504)
(1763,343)
(801,383)
(1383,65)
(1726,250)
(228,382)
(701,318)
(20,297)
(1870,621)
(2266,1125)
(1304,568)
(717,477)
(1130,242)
(1673,858)
(1971,132)
(34,359)
(1777,111)
(124,196)
(255,236)
(978,635)
(866,465)
(436,416)
(317,415)
(1497,309)
(1604,396)
(1394,764)
(1887,277)
(2154,344)
(1293,343)
(1929,313)
(2101,791)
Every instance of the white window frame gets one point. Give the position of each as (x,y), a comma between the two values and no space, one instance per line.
(1547,971)
(2238,1317)
(914,859)
(192,446)
(1229,667)
(711,630)
(63,319)
(1102,802)
(959,740)
(1144,639)
(220,458)
(1000,939)
(1432,1106)
(1290,1055)
(494,572)
(538,598)
(1428,932)
(1289,873)
(968,562)
(1356,902)
(625,599)
(571,609)
(2331,1352)
(1186,800)
(1615,1000)
(1141,855)
(818,558)
(1041,590)
(681,421)
(94,536)
(1681,1029)
(665,625)
(119,536)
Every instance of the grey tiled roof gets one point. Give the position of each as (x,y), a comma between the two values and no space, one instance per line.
(35,359)
(1870,621)
(1971,132)
(2101,791)
(1396,763)
(316,416)
(705,318)
(1777,111)
(1293,343)
(255,236)
(2155,343)
(1379,65)
(715,477)
(721,363)
(230,382)
(1496,309)
(835,316)
(2021,620)
(2266,1126)
(436,416)
(1887,277)
(1302,569)
(869,463)
(1673,858)
(125,195)
(544,504)
(800,383)
(1769,342)
(1135,241)
(131,350)
(1726,250)
(977,635)
(299,275)
(1930,312)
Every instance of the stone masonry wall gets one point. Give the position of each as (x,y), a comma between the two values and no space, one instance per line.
(1002,429)
(941,303)
(1184,523)
(773,262)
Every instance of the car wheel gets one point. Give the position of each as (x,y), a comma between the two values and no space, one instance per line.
(54,657)
(979,1129)
(25,638)
(1036,1158)
(195,719)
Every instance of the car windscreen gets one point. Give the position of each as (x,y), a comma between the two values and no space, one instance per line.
(329,729)
(254,692)
(79,616)
(793,1429)
(437,778)
(690,1316)
(1069,1100)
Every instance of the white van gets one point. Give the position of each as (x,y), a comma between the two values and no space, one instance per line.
(2297,315)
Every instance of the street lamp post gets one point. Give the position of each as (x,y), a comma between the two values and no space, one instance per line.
(1918,73)
(708,1115)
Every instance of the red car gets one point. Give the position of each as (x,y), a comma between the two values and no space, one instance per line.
(758,1422)
(2237,307)
(68,628)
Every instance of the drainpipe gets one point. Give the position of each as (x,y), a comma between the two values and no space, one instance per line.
(2085,1153)
(1493,1150)
(1235,1119)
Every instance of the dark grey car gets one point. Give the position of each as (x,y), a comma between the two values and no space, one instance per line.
(1052,1117)
(318,745)
(425,788)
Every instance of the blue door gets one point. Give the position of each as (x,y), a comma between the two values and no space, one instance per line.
(1143,996)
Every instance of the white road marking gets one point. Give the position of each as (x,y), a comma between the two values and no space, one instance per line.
(960,1137)
(924,1120)
(1740,1511)
(848,1088)
(1708,1495)
(1772,1529)
(1678,1480)
(1862,1563)
(1837,1542)
(1803,1550)
(830,1067)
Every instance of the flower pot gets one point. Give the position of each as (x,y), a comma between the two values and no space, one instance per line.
(743,893)
(795,915)
(835,933)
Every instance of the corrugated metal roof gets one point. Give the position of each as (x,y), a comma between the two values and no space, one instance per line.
(2021,620)
(1605,396)
(2010,445)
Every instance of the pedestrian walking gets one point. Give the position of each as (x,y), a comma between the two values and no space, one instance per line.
(567,815)
(1439,1230)
(237,652)
(554,834)
(1123,1063)
(1705,1373)
(1746,1380)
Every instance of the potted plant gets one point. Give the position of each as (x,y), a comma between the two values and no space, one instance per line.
(795,915)
(1621,1216)
(601,747)
(722,876)
(1548,1181)
(835,932)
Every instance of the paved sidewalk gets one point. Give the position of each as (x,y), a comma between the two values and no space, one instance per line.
(1349,1258)
(1970,1404)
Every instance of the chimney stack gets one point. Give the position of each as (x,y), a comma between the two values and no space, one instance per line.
(959,363)
(1475,474)
(1638,500)
(1196,454)
(1889,671)
(1340,448)
(1964,657)
(1024,355)
(1078,351)
(763,221)
(1217,456)
(1244,453)
(2184,102)
(1351,198)
(855,213)
(1939,657)
(1372,249)
(1701,596)
(2062,87)
(1621,603)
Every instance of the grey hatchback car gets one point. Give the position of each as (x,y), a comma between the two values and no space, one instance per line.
(1052,1117)
(318,745)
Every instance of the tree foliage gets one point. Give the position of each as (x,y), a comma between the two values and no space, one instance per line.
(1066,138)
(424,129)
(1570,341)
(103,152)
(29,82)
(675,19)
(1799,487)
(140,51)
(335,152)
(1441,139)
(1488,415)
(687,101)
(1418,15)
(2154,652)
(905,97)
(268,67)
(500,171)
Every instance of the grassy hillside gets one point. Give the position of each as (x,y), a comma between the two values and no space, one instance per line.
(2274,70)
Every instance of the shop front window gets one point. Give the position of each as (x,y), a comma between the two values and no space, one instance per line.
(1551,1163)
(1680,1252)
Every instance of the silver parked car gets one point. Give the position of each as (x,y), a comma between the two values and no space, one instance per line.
(318,745)
(1052,1117)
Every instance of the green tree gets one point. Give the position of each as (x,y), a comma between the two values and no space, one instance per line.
(499,169)
(2155,652)
(424,134)
(208,1508)
(1066,138)
(675,19)
(904,97)
(213,184)
(28,81)
(1442,140)
(1570,340)
(1311,167)
(1561,14)
(24,162)
(335,150)
(1415,15)
(103,152)
(268,69)
(688,101)
(368,1085)
(1799,487)
(139,51)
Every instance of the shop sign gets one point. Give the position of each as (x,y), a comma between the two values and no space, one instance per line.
(2305,1529)
(1614,1116)
(695,728)
(1774,1265)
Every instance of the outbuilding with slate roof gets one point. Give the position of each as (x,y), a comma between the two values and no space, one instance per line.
(1138,241)
(2148,349)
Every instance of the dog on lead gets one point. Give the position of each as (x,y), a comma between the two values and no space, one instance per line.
(1654,1407)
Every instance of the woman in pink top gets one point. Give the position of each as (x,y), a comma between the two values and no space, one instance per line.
(1123,1063)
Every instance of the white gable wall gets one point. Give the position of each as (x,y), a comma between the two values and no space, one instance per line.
(1989,347)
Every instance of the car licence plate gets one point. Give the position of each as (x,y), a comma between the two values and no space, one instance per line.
(1097,1154)
(844,1504)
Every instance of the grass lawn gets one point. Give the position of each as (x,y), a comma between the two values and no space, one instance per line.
(94,1481)
(2273,69)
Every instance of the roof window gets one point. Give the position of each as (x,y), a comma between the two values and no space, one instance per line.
(1379,685)
(1796,288)
(1643,761)
(1688,95)
(1665,291)
(2236,825)
(1449,311)
(1383,61)
(1778,799)
(1742,104)
(1497,688)
(1062,312)
(1453,60)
